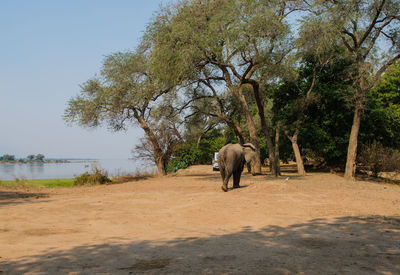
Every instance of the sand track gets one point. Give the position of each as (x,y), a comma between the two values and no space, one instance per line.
(318,224)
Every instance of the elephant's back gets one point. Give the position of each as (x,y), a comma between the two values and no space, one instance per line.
(229,153)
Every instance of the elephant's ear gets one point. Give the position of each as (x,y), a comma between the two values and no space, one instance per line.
(249,145)
(249,152)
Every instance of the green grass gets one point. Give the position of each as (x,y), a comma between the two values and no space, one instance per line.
(49,183)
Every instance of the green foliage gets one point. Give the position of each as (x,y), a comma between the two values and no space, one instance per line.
(194,37)
(377,158)
(121,93)
(384,109)
(183,158)
(211,143)
(327,120)
(30,157)
(189,154)
(95,176)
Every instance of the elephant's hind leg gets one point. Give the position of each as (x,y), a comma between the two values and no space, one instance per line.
(227,175)
(222,172)
(236,179)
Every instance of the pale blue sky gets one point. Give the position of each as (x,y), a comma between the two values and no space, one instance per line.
(47,49)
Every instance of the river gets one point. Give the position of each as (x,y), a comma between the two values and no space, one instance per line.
(114,167)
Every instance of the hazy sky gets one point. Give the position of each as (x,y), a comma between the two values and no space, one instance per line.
(47,49)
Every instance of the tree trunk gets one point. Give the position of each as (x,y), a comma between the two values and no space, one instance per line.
(256,167)
(158,154)
(160,166)
(350,171)
(299,160)
(277,161)
(261,113)
(235,127)
(199,140)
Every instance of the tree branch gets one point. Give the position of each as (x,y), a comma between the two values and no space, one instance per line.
(373,23)
(382,70)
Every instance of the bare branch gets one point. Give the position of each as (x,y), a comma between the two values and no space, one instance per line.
(347,45)
(382,70)
(352,36)
(373,23)
(377,33)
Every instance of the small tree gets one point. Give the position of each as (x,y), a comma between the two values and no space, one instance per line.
(30,157)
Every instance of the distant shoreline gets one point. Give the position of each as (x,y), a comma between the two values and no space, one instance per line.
(35,161)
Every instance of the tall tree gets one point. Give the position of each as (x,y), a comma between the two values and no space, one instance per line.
(125,93)
(224,43)
(370,32)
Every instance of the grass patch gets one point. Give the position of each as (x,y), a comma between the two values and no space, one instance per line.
(94,177)
(39,183)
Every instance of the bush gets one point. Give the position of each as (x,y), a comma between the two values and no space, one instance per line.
(189,154)
(377,158)
(183,158)
(96,176)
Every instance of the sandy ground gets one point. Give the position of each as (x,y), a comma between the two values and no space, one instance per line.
(318,224)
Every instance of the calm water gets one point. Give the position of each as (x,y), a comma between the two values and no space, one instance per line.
(114,167)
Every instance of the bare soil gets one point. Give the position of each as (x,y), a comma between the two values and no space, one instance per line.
(184,223)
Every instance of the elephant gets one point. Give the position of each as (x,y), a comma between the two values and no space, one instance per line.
(231,160)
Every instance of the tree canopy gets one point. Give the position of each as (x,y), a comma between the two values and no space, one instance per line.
(217,71)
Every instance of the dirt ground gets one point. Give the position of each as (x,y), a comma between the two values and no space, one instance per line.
(184,223)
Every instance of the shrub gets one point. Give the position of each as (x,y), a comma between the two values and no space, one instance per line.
(377,158)
(96,176)
(184,157)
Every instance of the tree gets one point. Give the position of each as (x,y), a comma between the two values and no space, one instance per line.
(320,117)
(39,157)
(7,157)
(362,27)
(195,152)
(126,92)
(222,44)
(324,132)
(30,157)
(386,95)
(212,109)
(382,115)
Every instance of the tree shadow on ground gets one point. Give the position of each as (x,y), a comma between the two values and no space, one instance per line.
(346,245)
(11,197)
